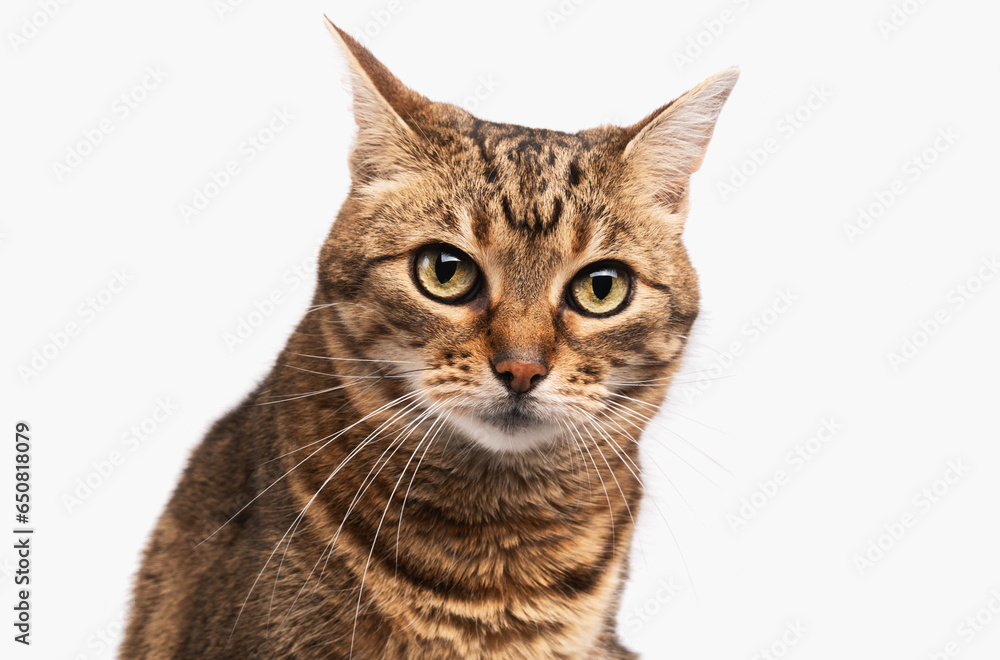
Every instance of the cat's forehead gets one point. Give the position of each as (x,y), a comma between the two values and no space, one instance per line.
(525,165)
(530,189)
(530,205)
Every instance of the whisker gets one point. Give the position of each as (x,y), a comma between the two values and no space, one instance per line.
(626,460)
(353,380)
(579,450)
(293,529)
(371,438)
(654,382)
(343,359)
(378,529)
(662,471)
(665,446)
(651,420)
(373,376)
(316,308)
(611,470)
(327,440)
(295,397)
(306,446)
(366,484)
(670,529)
(611,512)
(302,513)
(402,508)
(325,373)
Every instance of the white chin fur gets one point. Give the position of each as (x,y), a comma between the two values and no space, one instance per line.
(506,441)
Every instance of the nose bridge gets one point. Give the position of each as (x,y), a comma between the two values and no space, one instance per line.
(522,331)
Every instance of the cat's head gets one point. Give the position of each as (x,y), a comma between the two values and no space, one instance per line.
(523,280)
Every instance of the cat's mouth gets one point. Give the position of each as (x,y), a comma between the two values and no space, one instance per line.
(513,418)
(507,426)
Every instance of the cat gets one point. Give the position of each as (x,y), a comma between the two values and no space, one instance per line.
(443,462)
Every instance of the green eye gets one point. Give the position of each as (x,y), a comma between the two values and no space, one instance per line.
(446,273)
(600,289)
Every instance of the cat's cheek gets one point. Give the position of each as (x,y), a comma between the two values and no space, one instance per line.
(573,325)
(451,328)
(583,332)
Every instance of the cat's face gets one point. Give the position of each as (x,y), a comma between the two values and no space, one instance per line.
(521,280)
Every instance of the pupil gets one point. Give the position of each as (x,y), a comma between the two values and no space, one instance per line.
(602,285)
(445,267)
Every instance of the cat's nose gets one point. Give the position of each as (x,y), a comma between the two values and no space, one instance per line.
(520,375)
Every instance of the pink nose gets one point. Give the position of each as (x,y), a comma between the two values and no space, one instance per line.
(521,376)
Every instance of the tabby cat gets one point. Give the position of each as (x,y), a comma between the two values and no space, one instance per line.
(443,461)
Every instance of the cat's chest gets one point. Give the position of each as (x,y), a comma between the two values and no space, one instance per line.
(538,584)
(549,598)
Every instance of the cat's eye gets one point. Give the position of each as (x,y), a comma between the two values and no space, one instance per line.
(446,273)
(600,289)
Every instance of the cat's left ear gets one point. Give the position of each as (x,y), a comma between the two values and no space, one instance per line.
(668,146)
(383,110)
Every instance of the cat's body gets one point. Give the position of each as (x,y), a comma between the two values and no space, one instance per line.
(428,475)
(493,561)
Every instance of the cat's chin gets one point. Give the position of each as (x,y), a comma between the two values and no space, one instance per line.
(512,433)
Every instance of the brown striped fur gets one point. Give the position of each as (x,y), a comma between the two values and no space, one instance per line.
(364,500)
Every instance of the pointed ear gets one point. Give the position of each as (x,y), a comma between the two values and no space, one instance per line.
(383,109)
(667,147)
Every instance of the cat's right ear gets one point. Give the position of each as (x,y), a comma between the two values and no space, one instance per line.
(668,146)
(383,110)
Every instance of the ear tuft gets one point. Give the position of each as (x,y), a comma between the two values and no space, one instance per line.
(668,146)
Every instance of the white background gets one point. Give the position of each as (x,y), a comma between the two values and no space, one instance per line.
(748,558)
